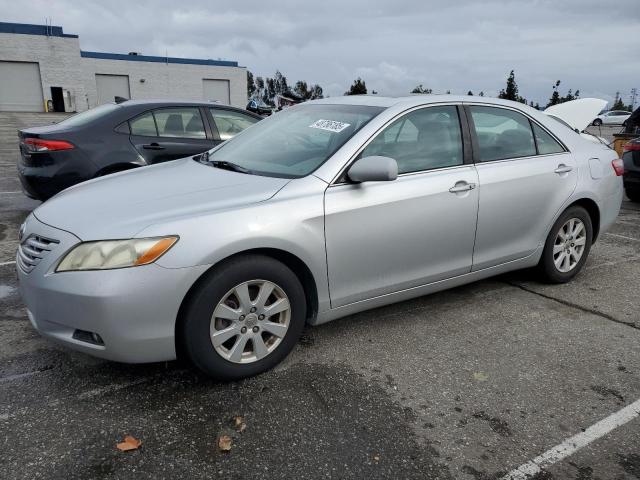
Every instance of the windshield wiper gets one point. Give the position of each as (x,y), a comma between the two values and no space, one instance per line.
(234,167)
(224,165)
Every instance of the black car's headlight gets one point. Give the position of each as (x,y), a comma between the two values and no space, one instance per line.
(109,254)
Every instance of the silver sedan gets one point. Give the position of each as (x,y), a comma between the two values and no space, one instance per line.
(320,211)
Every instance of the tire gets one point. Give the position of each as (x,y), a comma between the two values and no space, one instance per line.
(217,293)
(633,194)
(568,269)
(597,122)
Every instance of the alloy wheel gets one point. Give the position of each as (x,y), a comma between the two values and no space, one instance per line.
(569,245)
(250,321)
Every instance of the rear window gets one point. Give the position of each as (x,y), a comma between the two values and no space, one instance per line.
(83,118)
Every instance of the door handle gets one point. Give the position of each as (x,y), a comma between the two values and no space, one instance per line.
(462,187)
(562,168)
(152,146)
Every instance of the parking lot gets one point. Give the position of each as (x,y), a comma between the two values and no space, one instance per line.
(470,383)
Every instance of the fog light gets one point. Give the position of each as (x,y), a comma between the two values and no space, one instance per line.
(88,337)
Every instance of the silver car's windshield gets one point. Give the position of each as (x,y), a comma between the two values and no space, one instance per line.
(294,142)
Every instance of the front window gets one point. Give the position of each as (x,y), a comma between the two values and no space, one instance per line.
(296,141)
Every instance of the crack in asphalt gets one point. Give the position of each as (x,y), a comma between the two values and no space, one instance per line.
(574,305)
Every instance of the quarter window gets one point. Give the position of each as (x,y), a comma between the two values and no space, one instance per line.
(545,142)
(421,140)
(230,123)
(185,122)
(144,125)
(502,134)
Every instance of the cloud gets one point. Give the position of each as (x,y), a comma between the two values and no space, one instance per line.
(458,46)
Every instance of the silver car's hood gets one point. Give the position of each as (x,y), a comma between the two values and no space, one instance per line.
(121,205)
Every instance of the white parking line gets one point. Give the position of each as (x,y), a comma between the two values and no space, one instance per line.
(575,443)
(2,264)
(623,236)
(10,193)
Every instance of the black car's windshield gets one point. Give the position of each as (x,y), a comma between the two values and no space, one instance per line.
(83,118)
(294,142)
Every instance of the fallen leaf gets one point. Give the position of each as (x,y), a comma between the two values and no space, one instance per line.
(239,423)
(481,376)
(130,443)
(376,458)
(224,443)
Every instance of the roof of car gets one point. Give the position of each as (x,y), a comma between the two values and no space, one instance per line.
(418,99)
(164,102)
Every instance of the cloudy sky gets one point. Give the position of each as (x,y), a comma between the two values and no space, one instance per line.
(457,45)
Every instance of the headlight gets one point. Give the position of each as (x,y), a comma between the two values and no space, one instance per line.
(104,255)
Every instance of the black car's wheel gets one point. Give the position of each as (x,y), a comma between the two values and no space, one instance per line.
(597,122)
(633,194)
(243,318)
(567,246)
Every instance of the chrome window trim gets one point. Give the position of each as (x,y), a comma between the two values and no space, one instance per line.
(346,166)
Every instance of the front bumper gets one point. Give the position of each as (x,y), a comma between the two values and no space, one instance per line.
(134,310)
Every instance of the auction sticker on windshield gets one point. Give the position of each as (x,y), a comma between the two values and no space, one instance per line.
(330,125)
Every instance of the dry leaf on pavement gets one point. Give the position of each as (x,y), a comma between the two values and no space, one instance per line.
(239,423)
(224,443)
(130,443)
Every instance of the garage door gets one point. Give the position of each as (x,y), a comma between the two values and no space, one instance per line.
(216,91)
(21,87)
(111,86)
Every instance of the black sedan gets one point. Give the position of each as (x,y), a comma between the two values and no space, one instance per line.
(120,136)
(631,159)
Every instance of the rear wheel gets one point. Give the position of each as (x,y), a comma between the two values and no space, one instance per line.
(244,318)
(567,246)
(597,122)
(633,194)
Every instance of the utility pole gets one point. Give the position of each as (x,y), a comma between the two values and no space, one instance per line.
(634,94)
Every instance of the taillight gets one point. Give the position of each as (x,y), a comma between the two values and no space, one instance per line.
(43,145)
(630,147)
(618,166)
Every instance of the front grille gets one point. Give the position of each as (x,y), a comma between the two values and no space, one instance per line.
(32,250)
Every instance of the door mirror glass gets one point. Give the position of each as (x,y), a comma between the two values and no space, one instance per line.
(373,169)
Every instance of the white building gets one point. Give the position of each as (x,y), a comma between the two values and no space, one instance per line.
(43,69)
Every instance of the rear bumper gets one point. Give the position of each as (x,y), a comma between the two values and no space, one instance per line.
(42,175)
(134,310)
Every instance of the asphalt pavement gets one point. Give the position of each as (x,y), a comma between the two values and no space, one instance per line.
(467,384)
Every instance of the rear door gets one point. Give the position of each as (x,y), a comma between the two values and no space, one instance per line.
(169,133)
(525,176)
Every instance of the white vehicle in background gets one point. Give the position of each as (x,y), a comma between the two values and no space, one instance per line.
(614,117)
(577,115)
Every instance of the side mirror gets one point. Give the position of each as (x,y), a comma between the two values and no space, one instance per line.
(373,169)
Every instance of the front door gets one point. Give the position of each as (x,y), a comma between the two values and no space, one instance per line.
(525,177)
(383,237)
(170,133)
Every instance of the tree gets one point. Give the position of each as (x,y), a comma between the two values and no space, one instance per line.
(251,86)
(280,84)
(481,93)
(619,105)
(511,92)
(302,89)
(358,88)
(316,92)
(556,98)
(470,93)
(421,89)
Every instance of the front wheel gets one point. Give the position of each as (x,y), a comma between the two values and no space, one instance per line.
(567,246)
(243,318)
(597,122)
